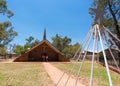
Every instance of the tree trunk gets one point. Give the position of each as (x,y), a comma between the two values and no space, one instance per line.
(117,29)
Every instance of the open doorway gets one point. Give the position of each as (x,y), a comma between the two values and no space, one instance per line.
(45,57)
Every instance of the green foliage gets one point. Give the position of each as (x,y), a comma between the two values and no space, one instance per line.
(115,7)
(7,33)
(74,48)
(3,50)
(111,15)
(35,42)
(66,41)
(63,44)
(4,10)
(70,50)
(57,42)
(19,49)
(30,42)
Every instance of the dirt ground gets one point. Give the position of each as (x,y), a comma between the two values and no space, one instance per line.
(6,60)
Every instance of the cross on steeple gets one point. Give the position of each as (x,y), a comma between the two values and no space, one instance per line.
(44,36)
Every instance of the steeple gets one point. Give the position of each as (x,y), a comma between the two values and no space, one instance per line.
(44,36)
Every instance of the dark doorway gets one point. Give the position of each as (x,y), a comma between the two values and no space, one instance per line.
(44,57)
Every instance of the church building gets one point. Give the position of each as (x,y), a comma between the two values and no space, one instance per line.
(43,51)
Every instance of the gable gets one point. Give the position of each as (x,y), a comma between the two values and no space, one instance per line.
(45,43)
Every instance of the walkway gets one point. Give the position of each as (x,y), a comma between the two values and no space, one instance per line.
(55,75)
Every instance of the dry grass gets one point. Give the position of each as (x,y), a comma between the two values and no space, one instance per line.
(23,74)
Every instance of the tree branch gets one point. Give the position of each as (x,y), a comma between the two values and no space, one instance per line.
(115,19)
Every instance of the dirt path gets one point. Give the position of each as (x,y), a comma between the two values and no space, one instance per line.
(55,75)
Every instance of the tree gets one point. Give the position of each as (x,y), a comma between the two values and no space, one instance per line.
(74,48)
(57,42)
(30,42)
(71,50)
(61,43)
(111,15)
(3,50)
(4,10)
(64,45)
(66,42)
(19,49)
(36,41)
(7,33)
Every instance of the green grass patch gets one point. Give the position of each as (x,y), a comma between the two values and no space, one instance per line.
(23,74)
(100,77)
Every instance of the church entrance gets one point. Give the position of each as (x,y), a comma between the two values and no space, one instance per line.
(44,57)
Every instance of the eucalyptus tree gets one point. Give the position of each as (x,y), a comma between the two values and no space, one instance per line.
(7,33)
(111,14)
(111,17)
(64,45)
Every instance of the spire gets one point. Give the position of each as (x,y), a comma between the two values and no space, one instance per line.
(44,36)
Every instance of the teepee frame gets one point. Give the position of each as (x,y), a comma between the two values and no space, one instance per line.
(100,34)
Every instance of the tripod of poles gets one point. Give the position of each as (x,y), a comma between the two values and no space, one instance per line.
(98,37)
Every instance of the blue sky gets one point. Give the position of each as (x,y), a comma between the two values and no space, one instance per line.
(64,17)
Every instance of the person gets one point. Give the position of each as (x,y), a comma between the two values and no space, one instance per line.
(43,57)
(46,57)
